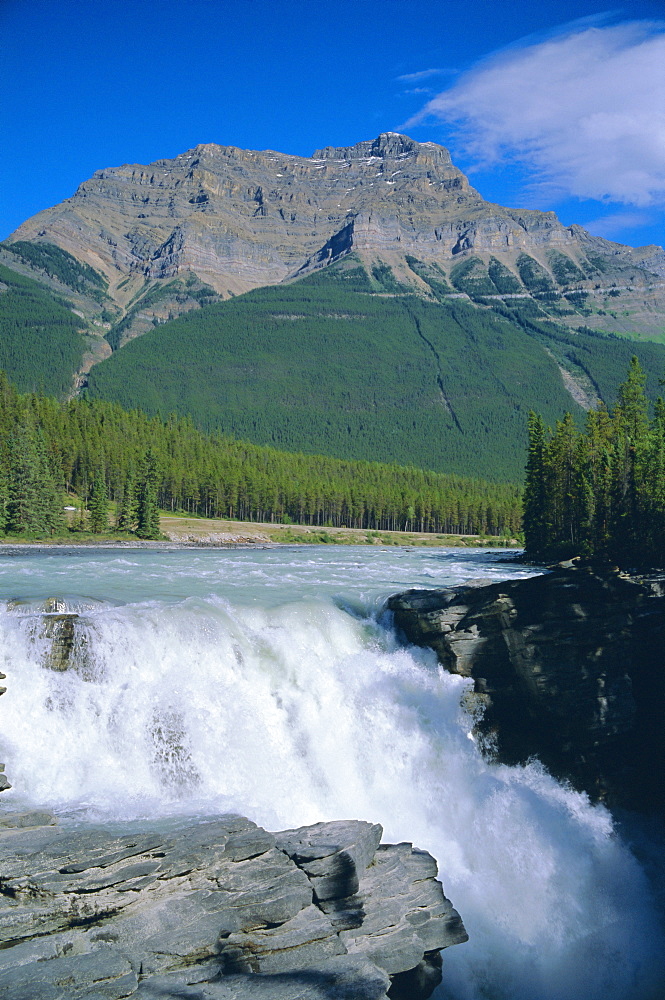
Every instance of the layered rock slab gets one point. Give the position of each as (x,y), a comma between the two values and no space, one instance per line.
(219,909)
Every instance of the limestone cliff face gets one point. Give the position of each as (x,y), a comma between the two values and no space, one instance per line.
(241,219)
(218,221)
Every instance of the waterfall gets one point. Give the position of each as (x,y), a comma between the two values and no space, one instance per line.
(297,710)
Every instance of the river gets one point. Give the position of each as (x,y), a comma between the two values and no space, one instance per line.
(269,682)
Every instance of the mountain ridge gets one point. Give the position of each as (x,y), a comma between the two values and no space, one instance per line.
(241,219)
(210,174)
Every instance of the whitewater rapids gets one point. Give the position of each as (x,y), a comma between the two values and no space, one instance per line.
(269,683)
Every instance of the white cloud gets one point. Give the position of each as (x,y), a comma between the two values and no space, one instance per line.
(422,74)
(610,225)
(583,111)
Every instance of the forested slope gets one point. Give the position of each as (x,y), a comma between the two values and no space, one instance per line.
(103,453)
(342,363)
(346,362)
(41,345)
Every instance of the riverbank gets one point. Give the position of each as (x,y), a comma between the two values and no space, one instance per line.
(208,531)
(181,531)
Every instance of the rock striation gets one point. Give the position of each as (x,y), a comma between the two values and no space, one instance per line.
(567,667)
(220,909)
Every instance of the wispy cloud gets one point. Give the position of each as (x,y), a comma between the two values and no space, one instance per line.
(583,111)
(423,74)
(616,222)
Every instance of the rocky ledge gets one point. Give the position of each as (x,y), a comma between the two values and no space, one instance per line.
(568,667)
(219,909)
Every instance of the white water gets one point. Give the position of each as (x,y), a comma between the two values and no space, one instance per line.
(263,682)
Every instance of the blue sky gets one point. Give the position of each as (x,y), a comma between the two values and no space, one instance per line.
(546,105)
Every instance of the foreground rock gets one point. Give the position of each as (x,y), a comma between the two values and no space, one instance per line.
(569,667)
(219,909)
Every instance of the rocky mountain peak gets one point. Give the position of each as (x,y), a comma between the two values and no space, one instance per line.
(207,149)
(388,146)
(238,218)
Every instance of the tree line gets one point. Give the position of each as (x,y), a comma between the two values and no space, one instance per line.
(599,492)
(114,460)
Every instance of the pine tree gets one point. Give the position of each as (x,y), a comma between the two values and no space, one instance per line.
(81,517)
(564,456)
(49,490)
(147,514)
(22,509)
(34,504)
(603,492)
(3,500)
(631,432)
(126,516)
(98,506)
(597,464)
(535,495)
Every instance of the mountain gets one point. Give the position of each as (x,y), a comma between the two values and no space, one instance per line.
(366,302)
(227,220)
(242,219)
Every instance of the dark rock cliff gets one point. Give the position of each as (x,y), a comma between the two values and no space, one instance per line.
(569,667)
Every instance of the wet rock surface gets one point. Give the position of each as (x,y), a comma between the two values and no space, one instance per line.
(219,909)
(60,630)
(569,667)
(62,642)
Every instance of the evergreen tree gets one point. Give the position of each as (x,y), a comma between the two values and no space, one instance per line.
(98,507)
(147,513)
(34,504)
(3,500)
(603,492)
(81,518)
(561,464)
(631,429)
(126,514)
(534,519)
(49,489)
(22,510)
(597,465)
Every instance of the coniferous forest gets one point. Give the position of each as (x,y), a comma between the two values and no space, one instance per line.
(109,459)
(42,341)
(335,363)
(600,492)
